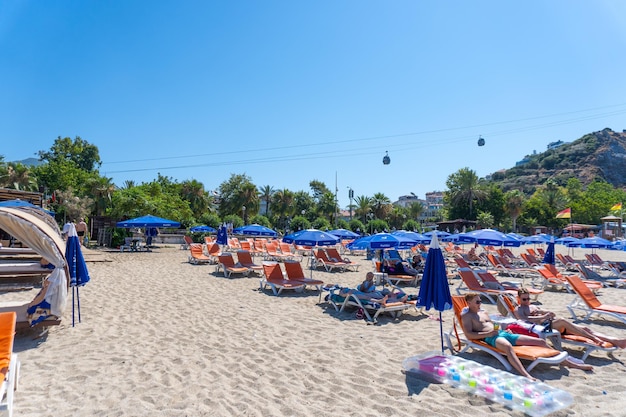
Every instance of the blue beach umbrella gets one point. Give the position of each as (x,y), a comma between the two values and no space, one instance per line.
(454,238)
(344,234)
(202,229)
(538,239)
(387,240)
(311,237)
(548,258)
(222,236)
(419,238)
(255,230)
(439,233)
(148,221)
(595,242)
(434,289)
(489,237)
(21,203)
(79,275)
(361,243)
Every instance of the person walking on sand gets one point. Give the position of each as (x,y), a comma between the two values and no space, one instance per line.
(81,230)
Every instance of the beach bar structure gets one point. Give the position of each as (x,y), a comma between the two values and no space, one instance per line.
(611,227)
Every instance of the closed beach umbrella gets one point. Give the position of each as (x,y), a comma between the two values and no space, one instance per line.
(255,230)
(548,258)
(222,236)
(79,275)
(434,289)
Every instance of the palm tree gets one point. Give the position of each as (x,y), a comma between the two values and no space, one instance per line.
(363,206)
(465,189)
(193,191)
(282,205)
(249,197)
(416,209)
(381,205)
(513,205)
(265,193)
(101,189)
(18,176)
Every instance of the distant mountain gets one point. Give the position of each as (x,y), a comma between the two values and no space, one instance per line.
(33,162)
(598,155)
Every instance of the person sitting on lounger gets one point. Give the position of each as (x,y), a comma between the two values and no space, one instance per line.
(478,325)
(528,312)
(367,291)
(472,256)
(399,267)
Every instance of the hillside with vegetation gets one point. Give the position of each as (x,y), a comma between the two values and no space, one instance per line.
(595,156)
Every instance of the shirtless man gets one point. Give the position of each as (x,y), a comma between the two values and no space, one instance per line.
(528,312)
(478,325)
(81,230)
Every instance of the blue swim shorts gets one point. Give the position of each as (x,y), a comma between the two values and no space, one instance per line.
(512,338)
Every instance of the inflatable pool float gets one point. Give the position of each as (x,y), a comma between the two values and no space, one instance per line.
(513,391)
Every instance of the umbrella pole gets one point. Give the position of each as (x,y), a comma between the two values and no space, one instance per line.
(73,323)
(441,331)
(78,303)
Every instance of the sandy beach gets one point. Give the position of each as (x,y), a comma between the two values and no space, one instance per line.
(162,337)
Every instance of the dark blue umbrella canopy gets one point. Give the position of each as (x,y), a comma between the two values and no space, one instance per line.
(311,237)
(595,242)
(202,229)
(419,238)
(344,234)
(148,221)
(76,265)
(222,236)
(537,239)
(255,230)
(439,233)
(79,275)
(22,203)
(387,240)
(360,243)
(548,258)
(489,237)
(434,289)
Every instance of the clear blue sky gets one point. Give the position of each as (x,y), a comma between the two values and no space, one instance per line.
(290,91)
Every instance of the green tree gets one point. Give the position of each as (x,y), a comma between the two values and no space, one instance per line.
(363,206)
(464,191)
(265,194)
(237,192)
(193,192)
(300,223)
(484,220)
(18,177)
(283,207)
(381,205)
(514,202)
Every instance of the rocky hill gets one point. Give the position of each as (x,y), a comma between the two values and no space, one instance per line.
(598,155)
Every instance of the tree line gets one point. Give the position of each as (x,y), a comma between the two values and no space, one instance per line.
(68,176)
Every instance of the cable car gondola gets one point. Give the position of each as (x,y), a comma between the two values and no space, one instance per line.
(386,159)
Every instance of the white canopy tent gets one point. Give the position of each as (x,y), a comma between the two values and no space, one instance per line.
(47,242)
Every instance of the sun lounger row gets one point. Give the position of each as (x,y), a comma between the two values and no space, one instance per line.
(292,279)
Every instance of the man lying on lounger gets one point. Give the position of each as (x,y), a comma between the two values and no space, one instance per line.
(478,325)
(367,291)
(528,312)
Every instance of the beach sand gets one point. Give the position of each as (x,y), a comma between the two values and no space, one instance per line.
(162,337)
